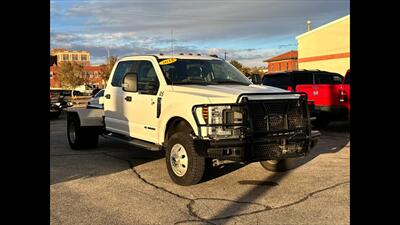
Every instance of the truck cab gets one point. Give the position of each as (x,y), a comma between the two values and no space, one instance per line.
(196,108)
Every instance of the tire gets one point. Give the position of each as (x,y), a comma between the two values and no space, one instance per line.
(281,165)
(81,137)
(184,167)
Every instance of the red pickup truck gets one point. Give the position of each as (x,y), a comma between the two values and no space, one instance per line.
(325,92)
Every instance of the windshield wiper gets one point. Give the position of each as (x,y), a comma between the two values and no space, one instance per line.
(231,82)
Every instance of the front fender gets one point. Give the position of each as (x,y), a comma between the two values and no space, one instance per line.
(174,111)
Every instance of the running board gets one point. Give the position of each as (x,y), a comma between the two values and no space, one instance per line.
(133,141)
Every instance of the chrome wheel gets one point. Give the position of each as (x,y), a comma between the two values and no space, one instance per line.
(71,132)
(179,160)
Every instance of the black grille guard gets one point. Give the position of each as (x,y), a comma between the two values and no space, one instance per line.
(243,102)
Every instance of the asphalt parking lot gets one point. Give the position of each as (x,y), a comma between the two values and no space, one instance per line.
(120,184)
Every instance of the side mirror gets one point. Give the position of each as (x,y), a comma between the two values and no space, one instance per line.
(129,82)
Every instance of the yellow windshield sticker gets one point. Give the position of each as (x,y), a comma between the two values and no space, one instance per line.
(167,61)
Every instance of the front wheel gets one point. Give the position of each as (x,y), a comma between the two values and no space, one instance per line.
(277,165)
(185,166)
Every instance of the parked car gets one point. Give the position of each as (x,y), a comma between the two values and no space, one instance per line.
(55,107)
(85,89)
(344,94)
(94,101)
(323,90)
(64,96)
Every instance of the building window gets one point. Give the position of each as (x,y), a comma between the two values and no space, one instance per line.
(83,57)
(280,67)
(287,66)
(75,57)
(65,57)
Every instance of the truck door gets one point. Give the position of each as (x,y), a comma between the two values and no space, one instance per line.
(304,82)
(328,91)
(114,103)
(141,106)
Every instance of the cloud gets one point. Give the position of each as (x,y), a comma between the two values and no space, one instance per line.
(248,30)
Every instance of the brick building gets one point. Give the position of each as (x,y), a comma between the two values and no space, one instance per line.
(91,72)
(286,61)
(71,55)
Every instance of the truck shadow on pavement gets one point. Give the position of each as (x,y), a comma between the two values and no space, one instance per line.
(221,170)
(72,165)
(333,139)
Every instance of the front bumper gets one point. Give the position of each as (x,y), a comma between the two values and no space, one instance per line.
(245,150)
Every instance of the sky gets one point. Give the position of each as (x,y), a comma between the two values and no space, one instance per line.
(248,31)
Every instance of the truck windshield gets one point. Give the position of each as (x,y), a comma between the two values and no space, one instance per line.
(203,72)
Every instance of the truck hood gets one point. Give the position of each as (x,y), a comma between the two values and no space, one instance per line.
(224,93)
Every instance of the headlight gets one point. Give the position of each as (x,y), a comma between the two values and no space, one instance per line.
(224,115)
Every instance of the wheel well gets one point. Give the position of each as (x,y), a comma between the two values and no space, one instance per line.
(72,115)
(176,124)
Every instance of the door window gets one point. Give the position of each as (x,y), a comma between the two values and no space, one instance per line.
(337,79)
(279,80)
(323,78)
(303,78)
(122,68)
(99,94)
(147,78)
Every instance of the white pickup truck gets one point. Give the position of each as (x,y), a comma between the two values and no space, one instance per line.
(196,108)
